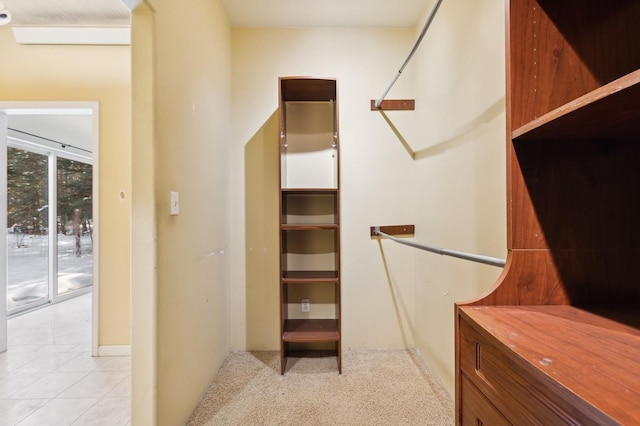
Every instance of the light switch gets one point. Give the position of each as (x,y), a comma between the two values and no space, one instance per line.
(175,203)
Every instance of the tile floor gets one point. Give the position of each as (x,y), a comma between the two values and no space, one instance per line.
(48,376)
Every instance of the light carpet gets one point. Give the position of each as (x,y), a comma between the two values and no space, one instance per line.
(375,388)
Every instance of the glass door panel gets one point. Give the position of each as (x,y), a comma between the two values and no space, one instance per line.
(75,226)
(27,226)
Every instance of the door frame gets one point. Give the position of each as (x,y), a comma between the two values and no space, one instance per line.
(55,108)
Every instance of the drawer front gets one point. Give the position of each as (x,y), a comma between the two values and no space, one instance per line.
(476,409)
(492,368)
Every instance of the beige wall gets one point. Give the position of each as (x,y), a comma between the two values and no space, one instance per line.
(261,229)
(83,73)
(459,189)
(191,155)
(376,180)
(143,223)
(441,168)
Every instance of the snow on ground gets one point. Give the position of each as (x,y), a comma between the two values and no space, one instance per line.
(28,264)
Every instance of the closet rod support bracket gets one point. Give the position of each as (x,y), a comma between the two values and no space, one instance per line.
(393,230)
(394,105)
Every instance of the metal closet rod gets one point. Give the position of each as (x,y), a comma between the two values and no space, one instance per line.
(487,260)
(432,15)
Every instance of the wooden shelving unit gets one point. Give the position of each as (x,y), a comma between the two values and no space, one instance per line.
(557,339)
(310,217)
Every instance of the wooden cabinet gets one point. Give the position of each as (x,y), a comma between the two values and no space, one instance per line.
(309,218)
(557,339)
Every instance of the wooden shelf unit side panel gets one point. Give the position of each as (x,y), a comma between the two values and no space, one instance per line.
(283,296)
(282,137)
(284,259)
(563,50)
(336,129)
(284,302)
(530,277)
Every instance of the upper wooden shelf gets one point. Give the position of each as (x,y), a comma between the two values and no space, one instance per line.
(550,339)
(306,89)
(589,116)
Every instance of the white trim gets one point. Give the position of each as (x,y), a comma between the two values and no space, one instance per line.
(70,107)
(109,36)
(49,107)
(3,230)
(53,236)
(46,110)
(52,284)
(37,148)
(95,303)
(114,350)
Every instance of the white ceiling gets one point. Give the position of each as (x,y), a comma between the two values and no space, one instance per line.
(325,13)
(242,13)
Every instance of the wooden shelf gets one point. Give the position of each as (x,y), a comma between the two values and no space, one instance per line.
(549,343)
(307,89)
(311,330)
(309,215)
(291,277)
(589,116)
(533,349)
(308,226)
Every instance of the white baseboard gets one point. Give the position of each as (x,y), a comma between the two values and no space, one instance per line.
(114,350)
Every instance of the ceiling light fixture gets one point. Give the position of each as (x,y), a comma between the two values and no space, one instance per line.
(5,15)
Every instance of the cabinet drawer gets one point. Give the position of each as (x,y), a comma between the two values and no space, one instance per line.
(476,409)
(494,369)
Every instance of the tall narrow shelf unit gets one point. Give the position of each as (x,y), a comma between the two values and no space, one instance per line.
(557,340)
(309,217)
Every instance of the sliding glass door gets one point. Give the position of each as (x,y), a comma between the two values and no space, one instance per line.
(75,226)
(50,227)
(27,229)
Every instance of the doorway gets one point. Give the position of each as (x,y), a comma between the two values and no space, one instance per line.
(51,233)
